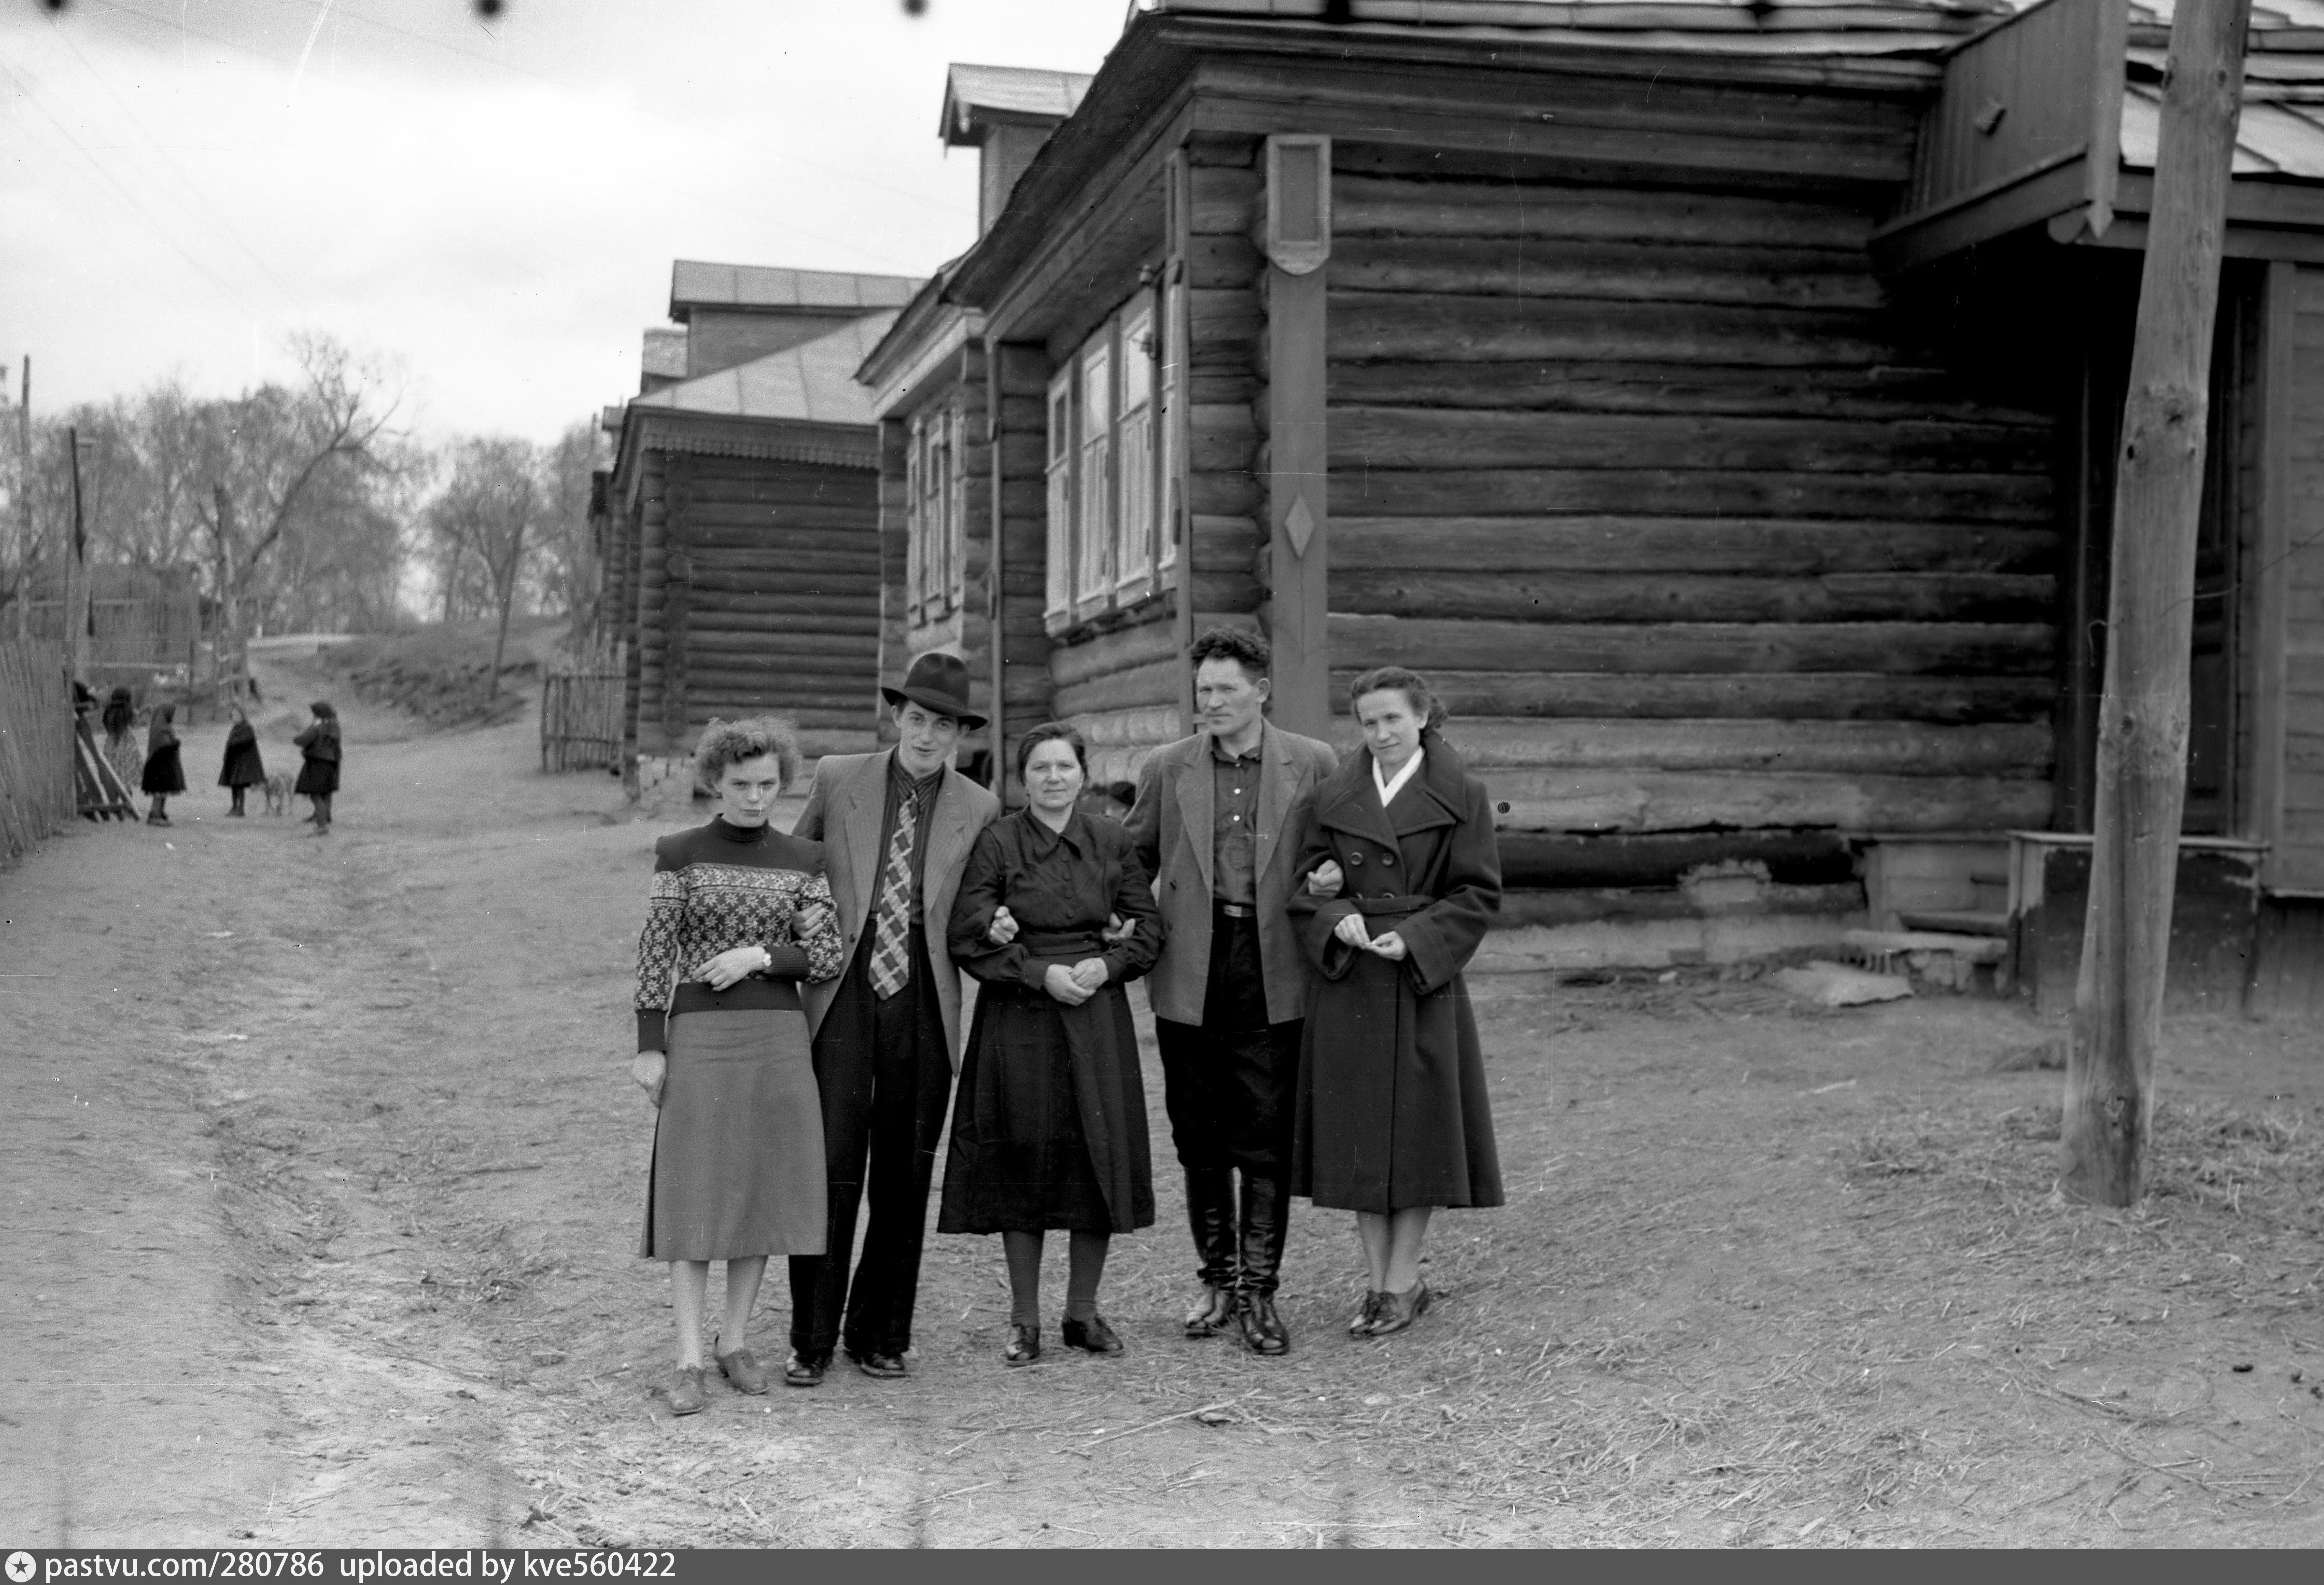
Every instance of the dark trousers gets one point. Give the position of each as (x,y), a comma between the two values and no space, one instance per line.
(1228,1084)
(885,1079)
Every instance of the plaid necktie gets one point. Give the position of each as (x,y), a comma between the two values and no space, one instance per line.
(891,964)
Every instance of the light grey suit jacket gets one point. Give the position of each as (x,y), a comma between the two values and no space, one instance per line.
(845,811)
(1172,826)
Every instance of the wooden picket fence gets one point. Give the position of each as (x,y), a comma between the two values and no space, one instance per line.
(581,719)
(36,745)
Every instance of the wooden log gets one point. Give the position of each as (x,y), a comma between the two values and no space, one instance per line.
(1770,547)
(784,640)
(1228,590)
(1142,725)
(1965,649)
(1226,543)
(1555,908)
(1654,800)
(1224,383)
(1108,652)
(1567,596)
(1153,685)
(1228,261)
(2002,498)
(1559,859)
(774,617)
(1439,326)
(1225,495)
(1223,200)
(845,488)
(1844,748)
(1873,393)
(1798,278)
(1365,206)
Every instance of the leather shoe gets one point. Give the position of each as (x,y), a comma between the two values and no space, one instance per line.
(1398,1311)
(742,1371)
(1092,1336)
(805,1370)
(684,1393)
(880,1365)
(1024,1345)
(1263,1332)
(1211,1313)
(1361,1326)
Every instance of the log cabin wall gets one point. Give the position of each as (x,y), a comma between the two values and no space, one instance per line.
(895,552)
(947,593)
(2293,567)
(1655,485)
(759,591)
(1017,386)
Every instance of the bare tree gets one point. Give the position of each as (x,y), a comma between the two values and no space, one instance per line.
(486,519)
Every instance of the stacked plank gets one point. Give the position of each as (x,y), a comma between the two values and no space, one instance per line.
(759,591)
(1649,483)
(2298,863)
(1018,386)
(581,719)
(36,745)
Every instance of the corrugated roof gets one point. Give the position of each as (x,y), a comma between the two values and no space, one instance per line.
(1787,27)
(697,284)
(665,352)
(812,382)
(1011,90)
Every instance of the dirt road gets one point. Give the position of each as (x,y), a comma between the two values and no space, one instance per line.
(324,1173)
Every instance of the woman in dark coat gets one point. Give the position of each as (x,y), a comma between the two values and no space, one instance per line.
(163,773)
(1049,1123)
(319,766)
(1403,879)
(242,769)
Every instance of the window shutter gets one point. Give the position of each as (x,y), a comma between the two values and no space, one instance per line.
(1167,425)
(1133,548)
(1058,602)
(1093,544)
(915,573)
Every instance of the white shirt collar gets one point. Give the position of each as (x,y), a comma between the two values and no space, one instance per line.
(1391,786)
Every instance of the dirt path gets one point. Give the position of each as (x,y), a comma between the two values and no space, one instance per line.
(325,1173)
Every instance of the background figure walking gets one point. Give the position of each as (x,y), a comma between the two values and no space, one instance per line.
(319,766)
(242,769)
(1219,819)
(1392,1120)
(896,828)
(741,917)
(1048,1129)
(164,772)
(121,749)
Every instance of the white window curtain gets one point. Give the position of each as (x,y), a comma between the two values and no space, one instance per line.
(1167,425)
(1133,548)
(1094,543)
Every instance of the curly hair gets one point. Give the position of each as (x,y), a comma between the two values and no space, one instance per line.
(1232,643)
(1414,687)
(1052,731)
(730,742)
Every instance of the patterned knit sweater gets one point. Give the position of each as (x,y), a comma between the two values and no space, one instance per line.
(722,886)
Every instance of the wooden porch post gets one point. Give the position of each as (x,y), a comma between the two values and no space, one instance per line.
(2142,752)
(1298,242)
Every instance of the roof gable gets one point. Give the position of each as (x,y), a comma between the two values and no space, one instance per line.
(812,382)
(693,284)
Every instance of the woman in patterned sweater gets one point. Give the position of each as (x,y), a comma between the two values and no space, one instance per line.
(740,914)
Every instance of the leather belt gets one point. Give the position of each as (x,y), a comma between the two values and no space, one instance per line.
(1238,910)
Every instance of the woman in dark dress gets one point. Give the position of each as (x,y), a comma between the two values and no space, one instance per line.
(1049,1123)
(242,769)
(319,764)
(163,773)
(121,749)
(1403,877)
(741,915)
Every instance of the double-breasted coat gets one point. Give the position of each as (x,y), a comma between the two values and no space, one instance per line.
(1391,1111)
(844,810)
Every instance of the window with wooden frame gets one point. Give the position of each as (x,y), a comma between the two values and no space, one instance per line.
(1167,430)
(1057,606)
(933,497)
(1093,512)
(1133,539)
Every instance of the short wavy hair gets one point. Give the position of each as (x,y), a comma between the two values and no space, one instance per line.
(1381,680)
(1050,732)
(1249,648)
(730,742)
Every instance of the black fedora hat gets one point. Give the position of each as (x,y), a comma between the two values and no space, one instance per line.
(937,682)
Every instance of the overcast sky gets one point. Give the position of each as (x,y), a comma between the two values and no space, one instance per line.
(494,204)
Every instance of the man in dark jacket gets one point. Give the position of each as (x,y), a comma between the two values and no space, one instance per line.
(1219,819)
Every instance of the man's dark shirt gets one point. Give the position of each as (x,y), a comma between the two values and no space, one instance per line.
(1235,844)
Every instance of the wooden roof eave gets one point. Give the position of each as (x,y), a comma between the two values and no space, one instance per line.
(915,369)
(644,430)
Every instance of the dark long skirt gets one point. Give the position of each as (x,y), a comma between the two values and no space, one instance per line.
(316,776)
(1048,1126)
(163,772)
(738,1143)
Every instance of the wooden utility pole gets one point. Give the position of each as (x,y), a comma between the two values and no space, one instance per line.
(76,573)
(25,548)
(2142,748)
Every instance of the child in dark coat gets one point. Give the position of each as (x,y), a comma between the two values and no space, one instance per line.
(242,769)
(318,769)
(163,773)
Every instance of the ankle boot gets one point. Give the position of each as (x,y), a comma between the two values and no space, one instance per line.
(1265,1221)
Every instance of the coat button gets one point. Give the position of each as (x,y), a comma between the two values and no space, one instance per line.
(1355,858)
(1387,858)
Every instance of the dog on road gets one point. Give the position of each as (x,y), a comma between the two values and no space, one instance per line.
(278,793)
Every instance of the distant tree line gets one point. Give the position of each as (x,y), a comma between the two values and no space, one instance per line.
(306,504)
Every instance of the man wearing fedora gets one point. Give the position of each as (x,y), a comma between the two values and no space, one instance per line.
(896,827)
(1219,821)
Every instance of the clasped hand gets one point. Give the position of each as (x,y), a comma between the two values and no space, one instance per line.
(1352,930)
(1002,930)
(1077,984)
(734,965)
